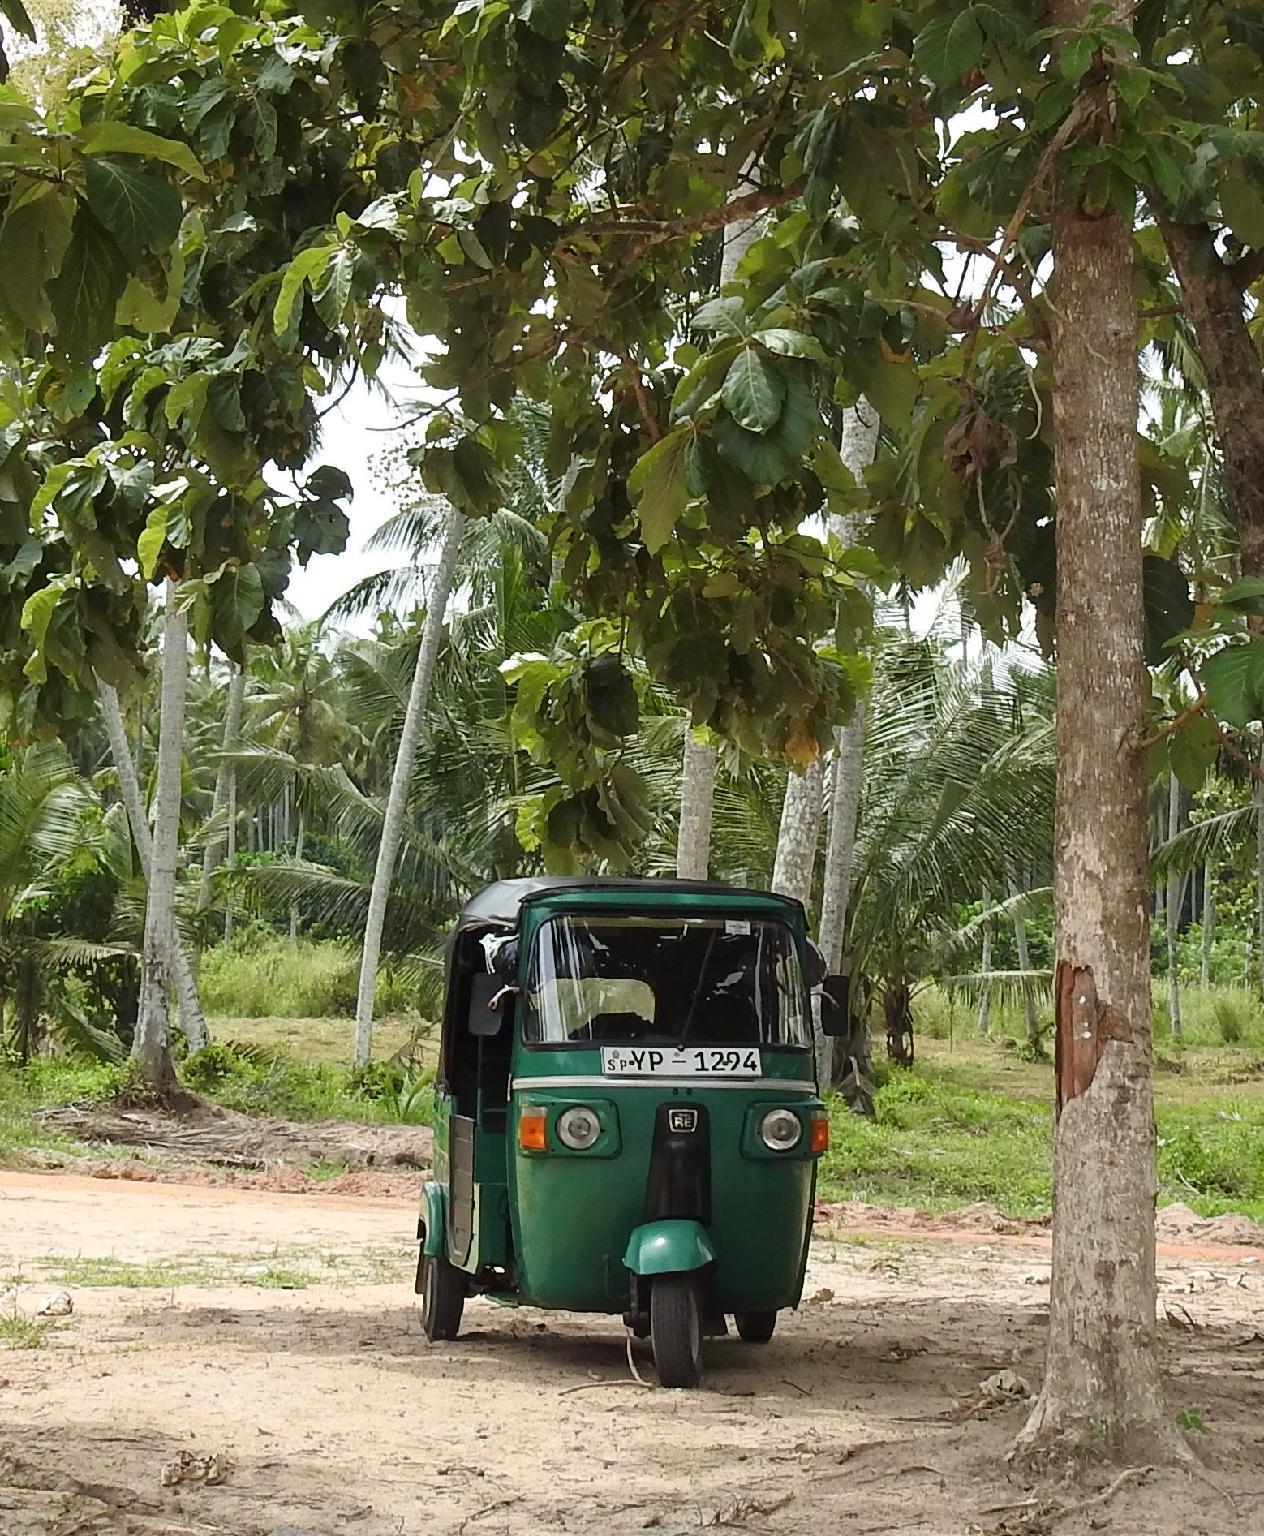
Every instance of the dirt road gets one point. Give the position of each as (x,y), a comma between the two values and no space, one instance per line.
(277,1332)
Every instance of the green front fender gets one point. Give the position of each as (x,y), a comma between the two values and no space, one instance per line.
(434,1219)
(668,1248)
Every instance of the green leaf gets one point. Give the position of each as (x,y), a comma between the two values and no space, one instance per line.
(1245,595)
(1242,205)
(88,286)
(15,13)
(1192,751)
(1169,609)
(331,293)
(612,701)
(153,536)
(657,487)
(236,603)
(1234,683)
(113,138)
(949,47)
(787,343)
(141,211)
(753,391)
(308,265)
(33,240)
(725,316)
(1076,57)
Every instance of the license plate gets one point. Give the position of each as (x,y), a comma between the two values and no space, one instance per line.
(691,1061)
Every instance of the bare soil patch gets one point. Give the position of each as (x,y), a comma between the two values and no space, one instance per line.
(325,1410)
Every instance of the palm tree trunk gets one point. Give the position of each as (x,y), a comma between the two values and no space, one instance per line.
(224,775)
(151,1046)
(1174,904)
(191,1014)
(397,799)
(298,859)
(1209,926)
(230,851)
(1102,1385)
(697,791)
(1024,964)
(985,965)
(799,835)
(697,778)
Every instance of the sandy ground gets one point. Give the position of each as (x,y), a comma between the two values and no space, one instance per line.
(276,1332)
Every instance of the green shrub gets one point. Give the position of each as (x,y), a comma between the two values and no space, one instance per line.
(1230,1018)
(258,974)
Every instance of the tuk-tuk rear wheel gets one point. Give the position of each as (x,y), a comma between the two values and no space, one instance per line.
(442,1298)
(755,1327)
(676,1330)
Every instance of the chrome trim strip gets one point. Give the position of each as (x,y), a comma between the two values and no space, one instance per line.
(702,1080)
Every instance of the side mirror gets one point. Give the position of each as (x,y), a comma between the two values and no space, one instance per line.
(486,1013)
(836,1005)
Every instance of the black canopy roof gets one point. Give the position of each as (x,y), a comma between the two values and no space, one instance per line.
(498,904)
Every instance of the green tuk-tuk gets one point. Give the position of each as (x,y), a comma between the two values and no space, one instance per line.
(628,1118)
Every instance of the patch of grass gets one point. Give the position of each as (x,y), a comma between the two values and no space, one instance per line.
(277,1277)
(154,1274)
(260,1082)
(324,1171)
(260,974)
(18,1331)
(974,1122)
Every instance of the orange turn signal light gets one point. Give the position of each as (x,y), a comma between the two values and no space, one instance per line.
(533,1129)
(818,1135)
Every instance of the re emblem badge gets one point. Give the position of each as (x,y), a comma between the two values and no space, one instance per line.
(683,1120)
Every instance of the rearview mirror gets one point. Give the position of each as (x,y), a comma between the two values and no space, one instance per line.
(836,1005)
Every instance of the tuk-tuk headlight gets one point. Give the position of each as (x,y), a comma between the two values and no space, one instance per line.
(578,1129)
(781,1130)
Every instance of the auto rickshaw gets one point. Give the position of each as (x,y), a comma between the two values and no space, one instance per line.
(628,1118)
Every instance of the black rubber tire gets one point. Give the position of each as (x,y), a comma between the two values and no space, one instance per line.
(755,1327)
(676,1330)
(442,1289)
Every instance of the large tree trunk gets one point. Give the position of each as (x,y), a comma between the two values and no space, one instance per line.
(401,774)
(225,776)
(1174,905)
(151,1045)
(1215,301)
(191,1014)
(697,774)
(1102,1390)
(799,835)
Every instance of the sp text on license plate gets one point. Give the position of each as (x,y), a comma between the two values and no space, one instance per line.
(676,1061)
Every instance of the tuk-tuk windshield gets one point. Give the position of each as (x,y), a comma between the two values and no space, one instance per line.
(714,981)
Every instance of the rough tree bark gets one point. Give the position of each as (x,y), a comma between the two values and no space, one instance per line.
(1102,1392)
(697,773)
(1173,911)
(799,834)
(985,965)
(191,1014)
(151,1044)
(401,774)
(225,775)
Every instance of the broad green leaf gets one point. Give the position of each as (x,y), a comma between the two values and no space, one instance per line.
(753,391)
(1234,682)
(657,487)
(1245,595)
(237,600)
(141,211)
(1192,751)
(787,343)
(153,536)
(331,293)
(1169,609)
(1242,204)
(1076,57)
(612,701)
(702,381)
(33,240)
(16,14)
(307,266)
(87,287)
(113,138)
(725,316)
(949,47)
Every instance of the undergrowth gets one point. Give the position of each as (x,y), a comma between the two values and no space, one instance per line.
(259,974)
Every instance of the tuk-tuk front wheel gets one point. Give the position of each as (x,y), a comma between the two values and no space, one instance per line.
(676,1330)
(755,1327)
(442,1288)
